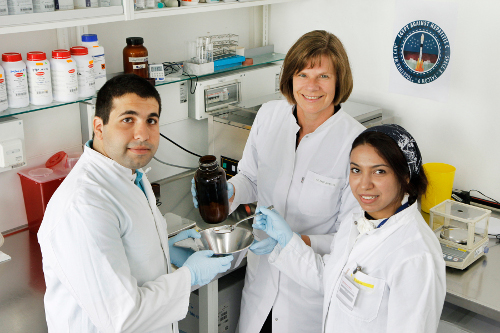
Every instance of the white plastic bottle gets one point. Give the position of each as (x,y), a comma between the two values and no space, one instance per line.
(4,8)
(4,104)
(97,52)
(64,77)
(85,70)
(17,81)
(104,3)
(64,4)
(39,78)
(42,6)
(86,3)
(17,7)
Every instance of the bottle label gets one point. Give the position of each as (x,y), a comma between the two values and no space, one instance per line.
(86,77)
(99,66)
(141,66)
(64,82)
(3,94)
(17,84)
(138,59)
(41,6)
(20,7)
(39,80)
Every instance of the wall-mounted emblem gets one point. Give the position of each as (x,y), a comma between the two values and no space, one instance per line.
(421,52)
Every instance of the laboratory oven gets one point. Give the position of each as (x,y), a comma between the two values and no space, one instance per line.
(229,127)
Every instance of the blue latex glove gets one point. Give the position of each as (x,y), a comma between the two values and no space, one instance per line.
(273,224)
(230,192)
(178,255)
(264,246)
(204,269)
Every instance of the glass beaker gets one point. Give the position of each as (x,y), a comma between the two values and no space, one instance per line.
(211,189)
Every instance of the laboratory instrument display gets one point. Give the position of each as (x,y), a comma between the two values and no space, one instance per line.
(461,240)
(211,189)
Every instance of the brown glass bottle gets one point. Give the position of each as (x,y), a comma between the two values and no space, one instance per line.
(135,57)
(211,188)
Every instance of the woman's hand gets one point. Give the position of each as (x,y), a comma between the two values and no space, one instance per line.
(274,225)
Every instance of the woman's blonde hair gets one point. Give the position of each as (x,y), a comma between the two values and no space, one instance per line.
(308,50)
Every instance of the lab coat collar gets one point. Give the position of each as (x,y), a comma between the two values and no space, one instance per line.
(326,125)
(97,157)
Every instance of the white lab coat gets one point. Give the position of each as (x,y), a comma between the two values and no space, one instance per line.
(105,255)
(309,187)
(403,262)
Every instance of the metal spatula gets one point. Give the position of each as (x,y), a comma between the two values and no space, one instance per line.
(229,228)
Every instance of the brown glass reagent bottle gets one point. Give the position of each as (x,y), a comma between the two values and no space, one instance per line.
(211,188)
(135,57)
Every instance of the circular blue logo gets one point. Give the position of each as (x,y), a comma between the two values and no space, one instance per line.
(421,52)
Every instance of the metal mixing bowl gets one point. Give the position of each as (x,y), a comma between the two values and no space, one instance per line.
(235,242)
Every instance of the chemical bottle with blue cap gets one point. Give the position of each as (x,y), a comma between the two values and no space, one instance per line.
(97,52)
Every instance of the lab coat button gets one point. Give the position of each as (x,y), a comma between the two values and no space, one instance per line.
(276,319)
(355,222)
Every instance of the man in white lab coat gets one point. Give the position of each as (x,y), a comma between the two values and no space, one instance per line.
(104,243)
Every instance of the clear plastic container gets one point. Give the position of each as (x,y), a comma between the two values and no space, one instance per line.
(64,76)
(211,189)
(97,52)
(4,104)
(39,78)
(85,69)
(17,81)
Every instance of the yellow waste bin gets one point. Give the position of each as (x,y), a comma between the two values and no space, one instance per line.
(440,177)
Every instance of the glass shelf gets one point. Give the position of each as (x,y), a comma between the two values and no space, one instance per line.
(32,108)
(257,61)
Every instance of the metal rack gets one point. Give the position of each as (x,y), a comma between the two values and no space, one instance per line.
(224,45)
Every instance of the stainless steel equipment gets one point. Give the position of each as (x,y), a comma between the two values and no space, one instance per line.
(229,228)
(236,243)
(229,127)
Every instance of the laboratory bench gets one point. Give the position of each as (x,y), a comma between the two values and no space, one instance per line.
(22,284)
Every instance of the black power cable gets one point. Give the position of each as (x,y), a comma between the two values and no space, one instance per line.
(188,151)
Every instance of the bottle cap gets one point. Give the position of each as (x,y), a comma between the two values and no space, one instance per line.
(60,54)
(89,38)
(36,56)
(12,57)
(135,40)
(79,50)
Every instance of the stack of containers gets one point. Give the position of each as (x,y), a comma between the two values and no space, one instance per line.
(39,78)
(85,70)
(64,76)
(97,52)
(17,82)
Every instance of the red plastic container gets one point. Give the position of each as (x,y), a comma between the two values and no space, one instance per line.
(39,184)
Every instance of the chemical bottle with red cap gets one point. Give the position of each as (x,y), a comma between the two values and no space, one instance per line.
(64,76)
(17,82)
(39,78)
(4,104)
(85,70)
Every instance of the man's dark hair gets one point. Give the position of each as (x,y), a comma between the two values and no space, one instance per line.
(121,85)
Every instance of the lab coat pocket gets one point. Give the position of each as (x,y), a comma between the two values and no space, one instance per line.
(369,298)
(319,195)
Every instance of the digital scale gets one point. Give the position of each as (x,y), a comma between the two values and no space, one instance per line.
(460,242)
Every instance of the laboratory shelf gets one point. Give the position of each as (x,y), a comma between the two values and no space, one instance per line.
(257,61)
(61,19)
(32,108)
(202,8)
